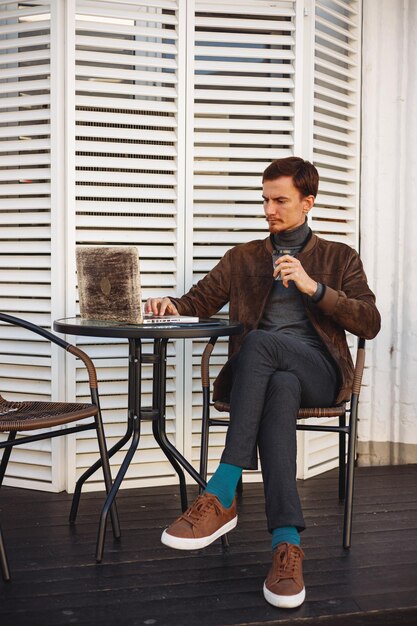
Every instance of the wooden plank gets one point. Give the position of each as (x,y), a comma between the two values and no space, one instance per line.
(56,580)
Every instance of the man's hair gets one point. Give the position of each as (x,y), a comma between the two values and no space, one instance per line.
(304,175)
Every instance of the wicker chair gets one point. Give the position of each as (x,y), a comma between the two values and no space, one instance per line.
(346,428)
(27,415)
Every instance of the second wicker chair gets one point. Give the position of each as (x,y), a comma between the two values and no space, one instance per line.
(16,417)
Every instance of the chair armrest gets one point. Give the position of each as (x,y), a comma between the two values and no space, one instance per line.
(205,363)
(92,374)
(17,321)
(359,367)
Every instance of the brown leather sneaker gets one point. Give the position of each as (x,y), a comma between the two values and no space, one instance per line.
(202,523)
(284,585)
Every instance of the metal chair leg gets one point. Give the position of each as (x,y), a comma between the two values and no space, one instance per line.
(225,543)
(348,512)
(107,474)
(205,424)
(342,459)
(4,565)
(6,455)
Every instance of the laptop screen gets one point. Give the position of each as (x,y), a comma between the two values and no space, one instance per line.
(109,283)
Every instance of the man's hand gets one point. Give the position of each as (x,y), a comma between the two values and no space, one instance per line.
(290,268)
(160,306)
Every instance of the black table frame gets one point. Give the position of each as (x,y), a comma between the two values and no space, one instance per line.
(160,334)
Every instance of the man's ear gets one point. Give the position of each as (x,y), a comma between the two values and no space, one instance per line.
(308,202)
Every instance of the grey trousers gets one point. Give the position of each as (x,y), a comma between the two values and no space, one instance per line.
(274,375)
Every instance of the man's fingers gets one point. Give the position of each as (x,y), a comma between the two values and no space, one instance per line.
(288,274)
(153,306)
(160,306)
(148,306)
(164,306)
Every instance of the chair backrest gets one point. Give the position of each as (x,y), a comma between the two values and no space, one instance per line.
(359,367)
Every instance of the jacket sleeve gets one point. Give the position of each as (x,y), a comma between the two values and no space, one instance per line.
(210,294)
(353,307)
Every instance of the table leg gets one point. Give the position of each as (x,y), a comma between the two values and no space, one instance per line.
(134,395)
(115,488)
(91,470)
(177,460)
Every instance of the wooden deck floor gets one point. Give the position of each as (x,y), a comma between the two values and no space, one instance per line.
(141,582)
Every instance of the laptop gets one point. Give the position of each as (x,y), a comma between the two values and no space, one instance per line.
(109,287)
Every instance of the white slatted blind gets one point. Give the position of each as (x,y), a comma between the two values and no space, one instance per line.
(336,118)
(243,104)
(336,155)
(127,189)
(171,111)
(25,216)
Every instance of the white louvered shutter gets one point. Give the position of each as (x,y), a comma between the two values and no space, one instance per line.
(243,106)
(128,190)
(26,361)
(149,123)
(336,127)
(336,119)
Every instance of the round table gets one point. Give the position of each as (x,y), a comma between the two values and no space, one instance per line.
(160,333)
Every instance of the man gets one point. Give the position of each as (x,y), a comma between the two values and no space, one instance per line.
(296,295)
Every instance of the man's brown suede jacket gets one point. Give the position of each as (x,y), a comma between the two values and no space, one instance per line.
(243,277)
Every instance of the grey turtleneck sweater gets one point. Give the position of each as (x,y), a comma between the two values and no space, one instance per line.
(285,311)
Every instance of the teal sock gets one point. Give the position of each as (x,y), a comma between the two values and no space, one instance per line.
(223,483)
(286,533)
